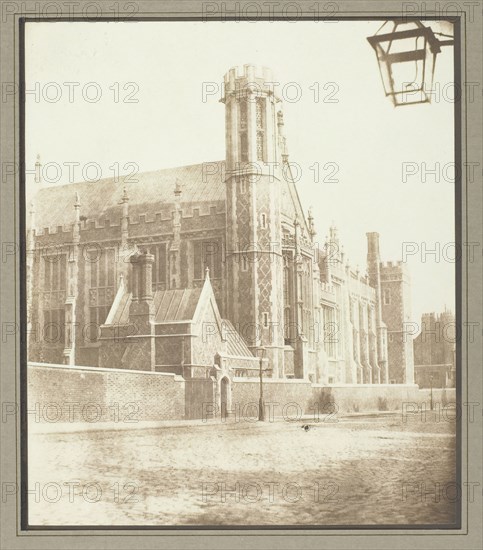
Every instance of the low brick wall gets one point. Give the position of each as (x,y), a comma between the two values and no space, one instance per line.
(352,398)
(281,395)
(382,397)
(442,396)
(58,393)
(318,399)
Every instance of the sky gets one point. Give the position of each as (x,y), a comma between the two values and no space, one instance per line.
(135,102)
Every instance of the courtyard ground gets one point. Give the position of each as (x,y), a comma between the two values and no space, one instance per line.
(361,470)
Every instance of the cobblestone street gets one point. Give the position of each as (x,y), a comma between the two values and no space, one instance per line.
(380,470)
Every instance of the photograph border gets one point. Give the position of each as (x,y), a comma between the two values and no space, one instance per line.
(468,223)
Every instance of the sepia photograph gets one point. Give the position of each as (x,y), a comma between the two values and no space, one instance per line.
(242,248)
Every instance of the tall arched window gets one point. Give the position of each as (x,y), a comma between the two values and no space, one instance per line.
(287,300)
(260,119)
(243,130)
(53,297)
(102,268)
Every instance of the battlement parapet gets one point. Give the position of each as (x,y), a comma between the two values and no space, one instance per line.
(394,271)
(247,72)
(445,316)
(327,288)
(84,225)
(53,230)
(93,224)
(205,209)
(249,79)
(391,265)
(362,289)
(97,223)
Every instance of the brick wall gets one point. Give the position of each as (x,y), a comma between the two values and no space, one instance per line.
(57,393)
(383,397)
(278,392)
(315,398)
(362,398)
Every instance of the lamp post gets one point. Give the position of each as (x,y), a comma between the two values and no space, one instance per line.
(431,392)
(407,58)
(261,405)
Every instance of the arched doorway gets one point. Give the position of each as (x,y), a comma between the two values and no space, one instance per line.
(224,396)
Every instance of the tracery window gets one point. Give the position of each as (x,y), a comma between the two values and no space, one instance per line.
(260,122)
(243,131)
(207,253)
(102,267)
(160,266)
(53,297)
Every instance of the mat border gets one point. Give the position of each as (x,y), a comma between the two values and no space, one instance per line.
(12,380)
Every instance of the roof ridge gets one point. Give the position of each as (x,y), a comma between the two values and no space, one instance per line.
(122,177)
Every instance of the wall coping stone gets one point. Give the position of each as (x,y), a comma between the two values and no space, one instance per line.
(175,377)
(414,386)
(271,380)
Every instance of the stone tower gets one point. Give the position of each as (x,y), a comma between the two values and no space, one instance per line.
(374,273)
(253,197)
(396,314)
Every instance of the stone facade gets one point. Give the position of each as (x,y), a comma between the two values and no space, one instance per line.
(194,270)
(434,351)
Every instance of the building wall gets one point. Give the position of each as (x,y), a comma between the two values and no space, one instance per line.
(349,350)
(396,313)
(340,333)
(350,359)
(104,239)
(434,351)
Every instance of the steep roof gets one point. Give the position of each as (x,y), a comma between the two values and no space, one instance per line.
(236,346)
(180,305)
(169,305)
(147,192)
(176,304)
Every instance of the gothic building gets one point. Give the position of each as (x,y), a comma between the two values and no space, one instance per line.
(210,268)
(435,351)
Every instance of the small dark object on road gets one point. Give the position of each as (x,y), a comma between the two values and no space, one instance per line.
(305,427)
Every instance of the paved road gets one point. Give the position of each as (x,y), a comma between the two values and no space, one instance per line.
(382,470)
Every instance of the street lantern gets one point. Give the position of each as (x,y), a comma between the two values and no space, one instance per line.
(261,405)
(406,58)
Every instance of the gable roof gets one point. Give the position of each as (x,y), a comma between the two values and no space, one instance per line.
(147,192)
(176,304)
(181,305)
(169,306)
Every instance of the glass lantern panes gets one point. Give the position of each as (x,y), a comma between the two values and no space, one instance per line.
(406,58)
